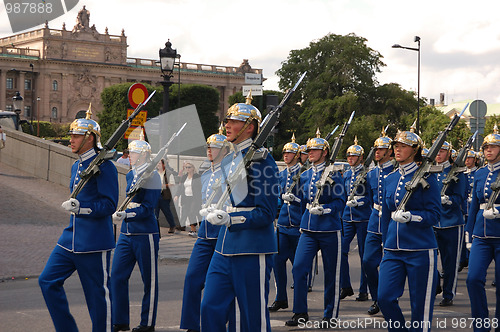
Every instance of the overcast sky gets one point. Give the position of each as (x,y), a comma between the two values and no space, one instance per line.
(460,40)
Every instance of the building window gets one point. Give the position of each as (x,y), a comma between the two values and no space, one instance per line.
(27,111)
(10,83)
(55,85)
(9,108)
(27,84)
(54,113)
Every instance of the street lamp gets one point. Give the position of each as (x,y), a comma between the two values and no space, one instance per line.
(417,40)
(17,102)
(167,62)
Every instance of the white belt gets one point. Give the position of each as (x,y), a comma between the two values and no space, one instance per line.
(483,206)
(230,209)
(377,207)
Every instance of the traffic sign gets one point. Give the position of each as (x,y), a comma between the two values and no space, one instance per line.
(477,124)
(137,93)
(251,78)
(478,108)
(140,119)
(133,133)
(256,90)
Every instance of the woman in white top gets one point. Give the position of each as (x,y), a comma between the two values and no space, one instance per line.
(190,193)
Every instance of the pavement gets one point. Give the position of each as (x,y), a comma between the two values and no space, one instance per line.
(31,221)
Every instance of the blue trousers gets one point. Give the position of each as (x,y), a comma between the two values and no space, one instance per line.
(93,270)
(287,247)
(330,245)
(482,252)
(371,261)
(352,229)
(194,282)
(450,245)
(240,279)
(132,249)
(420,269)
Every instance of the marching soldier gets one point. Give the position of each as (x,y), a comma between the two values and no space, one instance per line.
(320,227)
(355,221)
(288,223)
(483,229)
(450,229)
(409,241)
(138,243)
(85,245)
(204,247)
(303,155)
(373,244)
(241,265)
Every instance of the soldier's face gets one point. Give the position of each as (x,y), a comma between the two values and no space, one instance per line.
(403,153)
(212,153)
(134,158)
(442,156)
(289,157)
(79,144)
(303,157)
(492,153)
(470,161)
(353,161)
(316,156)
(381,154)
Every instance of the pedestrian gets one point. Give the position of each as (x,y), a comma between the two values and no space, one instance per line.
(355,217)
(373,243)
(287,230)
(2,138)
(241,265)
(138,243)
(204,246)
(124,159)
(189,195)
(483,230)
(320,230)
(85,245)
(166,195)
(450,228)
(410,247)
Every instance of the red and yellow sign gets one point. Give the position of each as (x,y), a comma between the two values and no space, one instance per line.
(137,93)
(133,133)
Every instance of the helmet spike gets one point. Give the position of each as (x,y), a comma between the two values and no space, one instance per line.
(89,112)
(383,132)
(141,135)
(318,133)
(495,128)
(356,140)
(249,98)
(221,129)
(413,126)
(293,137)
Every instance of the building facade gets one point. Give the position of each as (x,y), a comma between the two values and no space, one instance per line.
(59,72)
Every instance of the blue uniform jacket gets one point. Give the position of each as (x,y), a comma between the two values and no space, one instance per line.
(209,178)
(452,215)
(358,213)
(333,198)
(92,232)
(470,183)
(477,225)
(426,203)
(375,178)
(256,201)
(146,200)
(290,213)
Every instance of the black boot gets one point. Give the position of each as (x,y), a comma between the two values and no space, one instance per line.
(345,292)
(277,305)
(374,309)
(296,319)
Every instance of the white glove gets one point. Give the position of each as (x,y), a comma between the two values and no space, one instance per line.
(468,241)
(401,216)
(445,200)
(491,213)
(121,215)
(205,211)
(319,210)
(289,197)
(355,202)
(469,199)
(73,205)
(219,217)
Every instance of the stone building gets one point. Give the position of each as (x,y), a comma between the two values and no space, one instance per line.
(59,72)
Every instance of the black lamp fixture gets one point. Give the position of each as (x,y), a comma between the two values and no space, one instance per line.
(416,40)
(167,63)
(17,102)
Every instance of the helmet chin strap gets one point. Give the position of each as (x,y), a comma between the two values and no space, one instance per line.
(247,123)
(85,138)
(411,155)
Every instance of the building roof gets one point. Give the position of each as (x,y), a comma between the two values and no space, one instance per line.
(455,108)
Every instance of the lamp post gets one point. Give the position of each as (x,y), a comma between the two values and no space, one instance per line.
(17,102)
(32,92)
(417,40)
(167,62)
(38,116)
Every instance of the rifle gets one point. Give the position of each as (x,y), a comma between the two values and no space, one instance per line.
(148,172)
(107,152)
(330,163)
(426,166)
(361,178)
(306,165)
(458,165)
(253,154)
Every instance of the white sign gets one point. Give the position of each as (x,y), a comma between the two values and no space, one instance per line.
(256,90)
(251,78)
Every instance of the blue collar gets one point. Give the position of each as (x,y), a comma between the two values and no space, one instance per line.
(87,155)
(243,145)
(387,164)
(357,168)
(446,164)
(319,167)
(293,168)
(408,168)
(494,167)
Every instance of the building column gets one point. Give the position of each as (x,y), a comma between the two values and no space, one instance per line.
(3,89)
(64,98)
